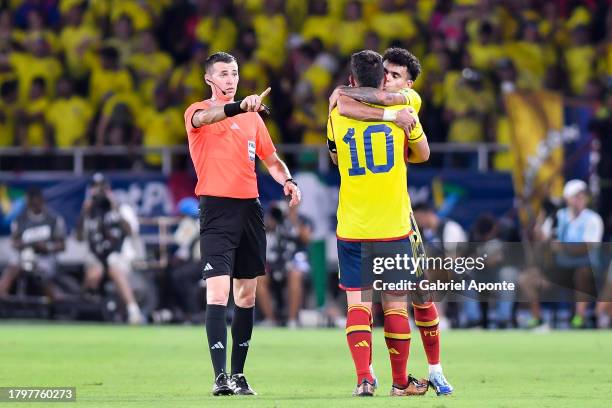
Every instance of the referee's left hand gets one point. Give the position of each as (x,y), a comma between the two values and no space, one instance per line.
(294,191)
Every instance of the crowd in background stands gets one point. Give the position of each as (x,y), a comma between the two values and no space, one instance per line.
(121,72)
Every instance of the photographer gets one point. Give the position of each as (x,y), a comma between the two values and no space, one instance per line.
(288,237)
(38,236)
(105,230)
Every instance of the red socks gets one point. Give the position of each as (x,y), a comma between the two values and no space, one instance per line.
(359,338)
(426,319)
(397,337)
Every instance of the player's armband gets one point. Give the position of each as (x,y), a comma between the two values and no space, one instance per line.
(331,145)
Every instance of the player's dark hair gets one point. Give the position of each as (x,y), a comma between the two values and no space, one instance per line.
(367,68)
(404,58)
(218,57)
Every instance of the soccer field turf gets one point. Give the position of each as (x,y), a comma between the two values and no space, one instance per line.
(118,366)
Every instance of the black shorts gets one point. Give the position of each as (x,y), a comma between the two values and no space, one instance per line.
(232,237)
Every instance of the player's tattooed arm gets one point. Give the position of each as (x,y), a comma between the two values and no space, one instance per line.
(405,118)
(373,95)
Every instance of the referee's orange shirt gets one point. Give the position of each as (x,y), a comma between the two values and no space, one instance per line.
(223,153)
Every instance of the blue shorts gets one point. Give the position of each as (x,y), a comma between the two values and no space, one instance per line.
(355,259)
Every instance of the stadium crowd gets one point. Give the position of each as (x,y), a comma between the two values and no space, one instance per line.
(120,72)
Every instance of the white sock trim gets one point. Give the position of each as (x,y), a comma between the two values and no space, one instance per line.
(435,368)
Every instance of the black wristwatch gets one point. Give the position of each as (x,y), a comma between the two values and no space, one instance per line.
(290,180)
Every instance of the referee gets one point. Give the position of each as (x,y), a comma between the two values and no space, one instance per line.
(224,138)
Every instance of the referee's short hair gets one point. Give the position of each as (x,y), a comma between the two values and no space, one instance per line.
(367,68)
(218,57)
(404,58)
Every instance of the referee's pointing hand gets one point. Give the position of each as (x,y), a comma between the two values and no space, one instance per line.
(252,103)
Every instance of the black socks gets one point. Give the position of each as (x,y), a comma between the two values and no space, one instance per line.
(242,328)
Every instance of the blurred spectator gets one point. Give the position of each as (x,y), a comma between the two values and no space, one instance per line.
(31,125)
(185,269)
(603,310)
(108,76)
(104,228)
(579,58)
(36,62)
(442,238)
(186,80)
(535,280)
(444,233)
(352,30)
(288,237)
(38,236)
(601,125)
(215,25)
(575,242)
(8,108)
(391,22)
(271,30)
(68,116)
(150,65)
(485,50)
(498,268)
(319,24)
(77,37)
(161,125)
(123,38)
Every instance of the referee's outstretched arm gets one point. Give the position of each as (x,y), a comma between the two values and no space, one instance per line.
(216,113)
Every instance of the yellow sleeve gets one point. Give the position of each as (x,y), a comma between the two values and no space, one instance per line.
(413,99)
(330,129)
(417,134)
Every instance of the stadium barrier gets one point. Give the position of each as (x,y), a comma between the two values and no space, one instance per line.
(77,156)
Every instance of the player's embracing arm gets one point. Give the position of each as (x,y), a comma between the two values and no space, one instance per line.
(417,146)
(373,95)
(331,141)
(351,108)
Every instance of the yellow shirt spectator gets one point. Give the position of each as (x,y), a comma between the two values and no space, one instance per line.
(469,107)
(7,123)
(579,63)
(69,118)
(321,26)
(219,33)
(35,131)
(29,67)
(271,32)
(160,128)
(107,77)
(76,41)
(393,25)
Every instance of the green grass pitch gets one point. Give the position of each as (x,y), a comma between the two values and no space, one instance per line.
(117,366)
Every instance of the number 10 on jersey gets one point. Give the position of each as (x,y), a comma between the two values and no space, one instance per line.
(356,169)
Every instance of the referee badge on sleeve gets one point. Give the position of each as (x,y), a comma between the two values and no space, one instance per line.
(251,148)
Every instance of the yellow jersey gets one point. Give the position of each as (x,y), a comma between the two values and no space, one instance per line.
(412,98)
(373,201)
